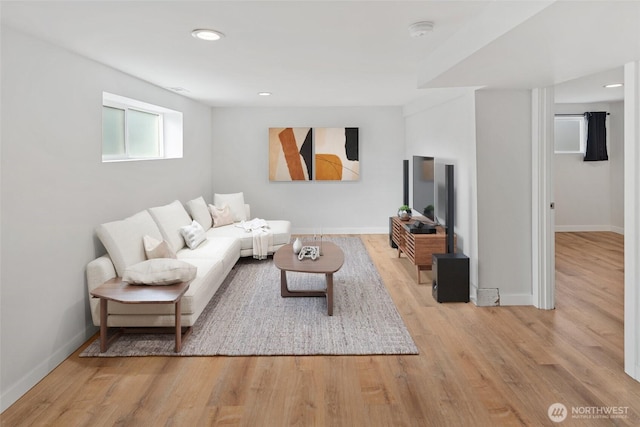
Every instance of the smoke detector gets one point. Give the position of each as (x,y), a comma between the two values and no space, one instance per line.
(420,29)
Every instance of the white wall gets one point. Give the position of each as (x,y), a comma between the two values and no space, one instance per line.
(589,194)
(503,137)
(240,139)
(446,131)
(55,191)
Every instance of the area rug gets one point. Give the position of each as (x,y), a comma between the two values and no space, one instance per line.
(247,316)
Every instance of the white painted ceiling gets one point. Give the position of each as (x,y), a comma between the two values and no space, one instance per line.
(344,53)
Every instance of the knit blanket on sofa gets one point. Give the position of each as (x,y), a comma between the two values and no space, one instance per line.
(262,236)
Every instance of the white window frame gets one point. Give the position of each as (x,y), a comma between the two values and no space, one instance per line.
(169,132)
(582,129)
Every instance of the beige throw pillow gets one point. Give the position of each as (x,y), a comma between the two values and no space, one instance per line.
(235,201)
(155,248)
(159,271)
(221,216)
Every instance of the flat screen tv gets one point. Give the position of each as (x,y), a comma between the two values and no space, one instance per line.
(423,186)
(444,200)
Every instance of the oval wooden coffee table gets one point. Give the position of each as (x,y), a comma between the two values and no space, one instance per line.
(328,263)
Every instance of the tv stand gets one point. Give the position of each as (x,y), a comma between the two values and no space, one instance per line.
(419,248)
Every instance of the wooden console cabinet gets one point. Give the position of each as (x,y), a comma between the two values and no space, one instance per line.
(419,248)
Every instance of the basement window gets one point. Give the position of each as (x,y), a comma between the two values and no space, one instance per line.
(136,130)
(570,134)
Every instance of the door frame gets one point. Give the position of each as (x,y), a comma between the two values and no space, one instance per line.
(543,224)
(542,220)
(632,219)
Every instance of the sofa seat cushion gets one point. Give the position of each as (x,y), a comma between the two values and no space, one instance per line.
(281,233)
(123,239)
(209,272)
(225,249)
(169,219)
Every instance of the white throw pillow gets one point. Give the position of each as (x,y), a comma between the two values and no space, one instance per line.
(193,234)
(198,210)
(155,248)
(235,202)
(221,216)
(159,271)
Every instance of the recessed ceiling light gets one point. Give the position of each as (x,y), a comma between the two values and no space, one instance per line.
(208,35)
(612,85)
(264,93)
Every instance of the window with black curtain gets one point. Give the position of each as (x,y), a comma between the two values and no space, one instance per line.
(596,136)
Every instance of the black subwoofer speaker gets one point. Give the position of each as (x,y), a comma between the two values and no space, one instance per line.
(450,274)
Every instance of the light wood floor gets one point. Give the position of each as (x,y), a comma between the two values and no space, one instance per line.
(478,366)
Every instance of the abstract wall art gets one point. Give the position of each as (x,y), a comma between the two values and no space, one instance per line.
(290,154)
(336,154)
(306,154)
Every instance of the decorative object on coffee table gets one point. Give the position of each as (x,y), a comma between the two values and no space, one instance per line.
(297,245)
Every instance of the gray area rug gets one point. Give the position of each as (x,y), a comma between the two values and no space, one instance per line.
(247,316)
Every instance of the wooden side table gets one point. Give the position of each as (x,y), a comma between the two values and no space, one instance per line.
(119,291)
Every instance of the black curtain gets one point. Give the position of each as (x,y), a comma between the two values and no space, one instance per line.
(596,137)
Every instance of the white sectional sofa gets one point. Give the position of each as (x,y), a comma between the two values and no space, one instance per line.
(214,257)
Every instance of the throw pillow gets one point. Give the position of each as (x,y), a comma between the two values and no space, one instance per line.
(221,216)
(159,271)
(235,202)
(198,210)
(193,234)
(155,248)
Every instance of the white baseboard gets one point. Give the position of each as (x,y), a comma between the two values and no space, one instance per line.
(619,230)
(587,228)
(15,391)
(516,299)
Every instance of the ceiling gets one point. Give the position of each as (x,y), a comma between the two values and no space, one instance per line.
(344,53)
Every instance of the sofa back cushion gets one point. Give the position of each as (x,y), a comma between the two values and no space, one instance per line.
(169,219)
(123,239)
(200,212)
